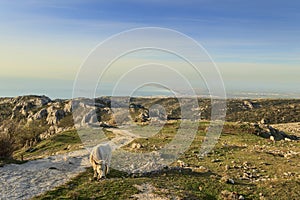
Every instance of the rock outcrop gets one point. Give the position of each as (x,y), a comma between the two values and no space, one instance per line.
(59,115)
(54,115)
(40,110)
(267,131)
(138,113)
(42,114)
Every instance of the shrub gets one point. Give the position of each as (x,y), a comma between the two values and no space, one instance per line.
(6,145)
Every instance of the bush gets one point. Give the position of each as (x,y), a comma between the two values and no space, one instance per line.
(6,145)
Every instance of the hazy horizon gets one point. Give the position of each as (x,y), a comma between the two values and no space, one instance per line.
(254,44)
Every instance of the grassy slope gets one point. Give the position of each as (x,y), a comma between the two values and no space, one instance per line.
(234,148)
(60,143)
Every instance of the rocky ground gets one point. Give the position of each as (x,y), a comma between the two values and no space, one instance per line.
(54,116)
(23,181)
(38,176)
(293,128)
(146,193)
(236,161)
(240,158)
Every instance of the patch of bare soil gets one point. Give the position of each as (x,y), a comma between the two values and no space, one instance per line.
(147,192)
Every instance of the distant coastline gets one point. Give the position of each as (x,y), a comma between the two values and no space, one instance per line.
(67,94)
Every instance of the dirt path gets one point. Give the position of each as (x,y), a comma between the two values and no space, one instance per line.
(122,138)
(38,176)
(147,192)
(35,177)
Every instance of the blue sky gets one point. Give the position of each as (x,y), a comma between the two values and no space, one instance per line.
(256,44)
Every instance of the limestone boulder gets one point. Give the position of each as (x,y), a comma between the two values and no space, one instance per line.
(54,116)
(40,114)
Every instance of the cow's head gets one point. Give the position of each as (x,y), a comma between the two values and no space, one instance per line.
(101,169)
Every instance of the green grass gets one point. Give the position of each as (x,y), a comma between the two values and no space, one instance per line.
(120,186)
(236,146)
(60,143)
(4,161)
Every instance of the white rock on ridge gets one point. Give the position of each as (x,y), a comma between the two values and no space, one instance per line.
(25,103)
(54,116)
(248,104)
(36,101)
(51,131)
(68,107)
(40,114)
(90,118)
(40,101)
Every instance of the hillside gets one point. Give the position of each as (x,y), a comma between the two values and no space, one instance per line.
(241,165)
(26,120)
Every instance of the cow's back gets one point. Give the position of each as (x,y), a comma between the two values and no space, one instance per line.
(102,152)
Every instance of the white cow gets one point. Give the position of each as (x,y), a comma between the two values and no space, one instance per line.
(100,159)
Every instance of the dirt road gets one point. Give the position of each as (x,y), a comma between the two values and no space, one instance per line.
(38,176)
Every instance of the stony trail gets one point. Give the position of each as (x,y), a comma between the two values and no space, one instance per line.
(35,177)
(38,176)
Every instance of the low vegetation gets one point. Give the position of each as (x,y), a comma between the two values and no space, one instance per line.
(241,165)
(6,143)
(260,169)
(58,144)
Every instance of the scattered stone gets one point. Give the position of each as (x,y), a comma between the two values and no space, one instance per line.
(268,132)
(261,196)
(248,104)
(230,181)
(263,121)
(200,169)
(226,179)
(200,188)
(136,146)
(241,197)
(245,163)
(227,167)
(245,176)
(181,163)
(227,195)
(196,151)
(213,177)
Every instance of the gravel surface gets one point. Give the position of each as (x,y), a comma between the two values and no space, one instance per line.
(35,177)
(38,176)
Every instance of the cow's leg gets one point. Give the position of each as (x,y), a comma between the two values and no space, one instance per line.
(94,165)
(100,172)
(95,171)
(95,174)
(107,169)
